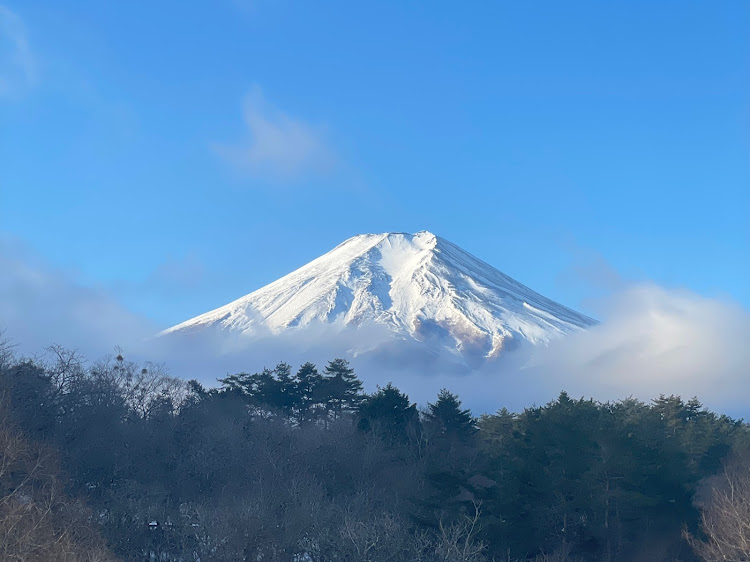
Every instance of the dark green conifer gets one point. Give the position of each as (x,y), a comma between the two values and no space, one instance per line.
(389,413)
(447,420)
(341,389)
(306,392)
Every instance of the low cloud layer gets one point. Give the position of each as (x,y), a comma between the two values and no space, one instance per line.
(41,305)
(652,340)
(656,340)
(278,146)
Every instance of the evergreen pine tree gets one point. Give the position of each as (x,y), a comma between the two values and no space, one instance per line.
(236,385)
(283,397)
(341,388)
(389,413)
(258,389)
(450,433)
(447,420)
(306,392)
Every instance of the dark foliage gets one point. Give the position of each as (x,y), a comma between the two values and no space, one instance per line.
(289,466)
(390,415)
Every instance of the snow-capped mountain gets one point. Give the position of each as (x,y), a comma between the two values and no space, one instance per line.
(420,287)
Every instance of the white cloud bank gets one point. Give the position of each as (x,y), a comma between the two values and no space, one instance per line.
(655,339)
(277,146)
(17,66)
(652,340)
(41,305)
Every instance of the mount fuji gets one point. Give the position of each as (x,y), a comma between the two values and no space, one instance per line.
(417,288)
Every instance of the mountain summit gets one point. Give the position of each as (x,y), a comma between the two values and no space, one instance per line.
(419,286)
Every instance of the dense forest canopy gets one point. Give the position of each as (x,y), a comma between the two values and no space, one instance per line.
(115,460)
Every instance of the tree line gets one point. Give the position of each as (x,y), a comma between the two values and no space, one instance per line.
(120,461)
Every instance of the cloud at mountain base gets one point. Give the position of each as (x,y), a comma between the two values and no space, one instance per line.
(652,340)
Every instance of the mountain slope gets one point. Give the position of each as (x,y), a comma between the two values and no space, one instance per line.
(420,286)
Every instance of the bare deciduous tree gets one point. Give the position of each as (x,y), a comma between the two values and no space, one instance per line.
(725,511)
(38,522)
(458,542)
(6,349)
(143,388)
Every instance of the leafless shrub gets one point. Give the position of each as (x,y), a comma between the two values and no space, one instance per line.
(383,538)
(457,542)
(389,538)
(726,515)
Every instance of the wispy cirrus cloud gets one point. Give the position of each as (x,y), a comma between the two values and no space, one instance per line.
(17,65)
(277,145)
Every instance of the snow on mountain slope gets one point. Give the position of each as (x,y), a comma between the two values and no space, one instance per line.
(420,286)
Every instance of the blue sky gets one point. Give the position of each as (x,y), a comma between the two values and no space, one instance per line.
(178,155)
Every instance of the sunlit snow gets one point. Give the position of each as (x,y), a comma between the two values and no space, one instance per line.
(420,286)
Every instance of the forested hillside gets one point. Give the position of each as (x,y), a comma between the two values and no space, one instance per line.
(299,464)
